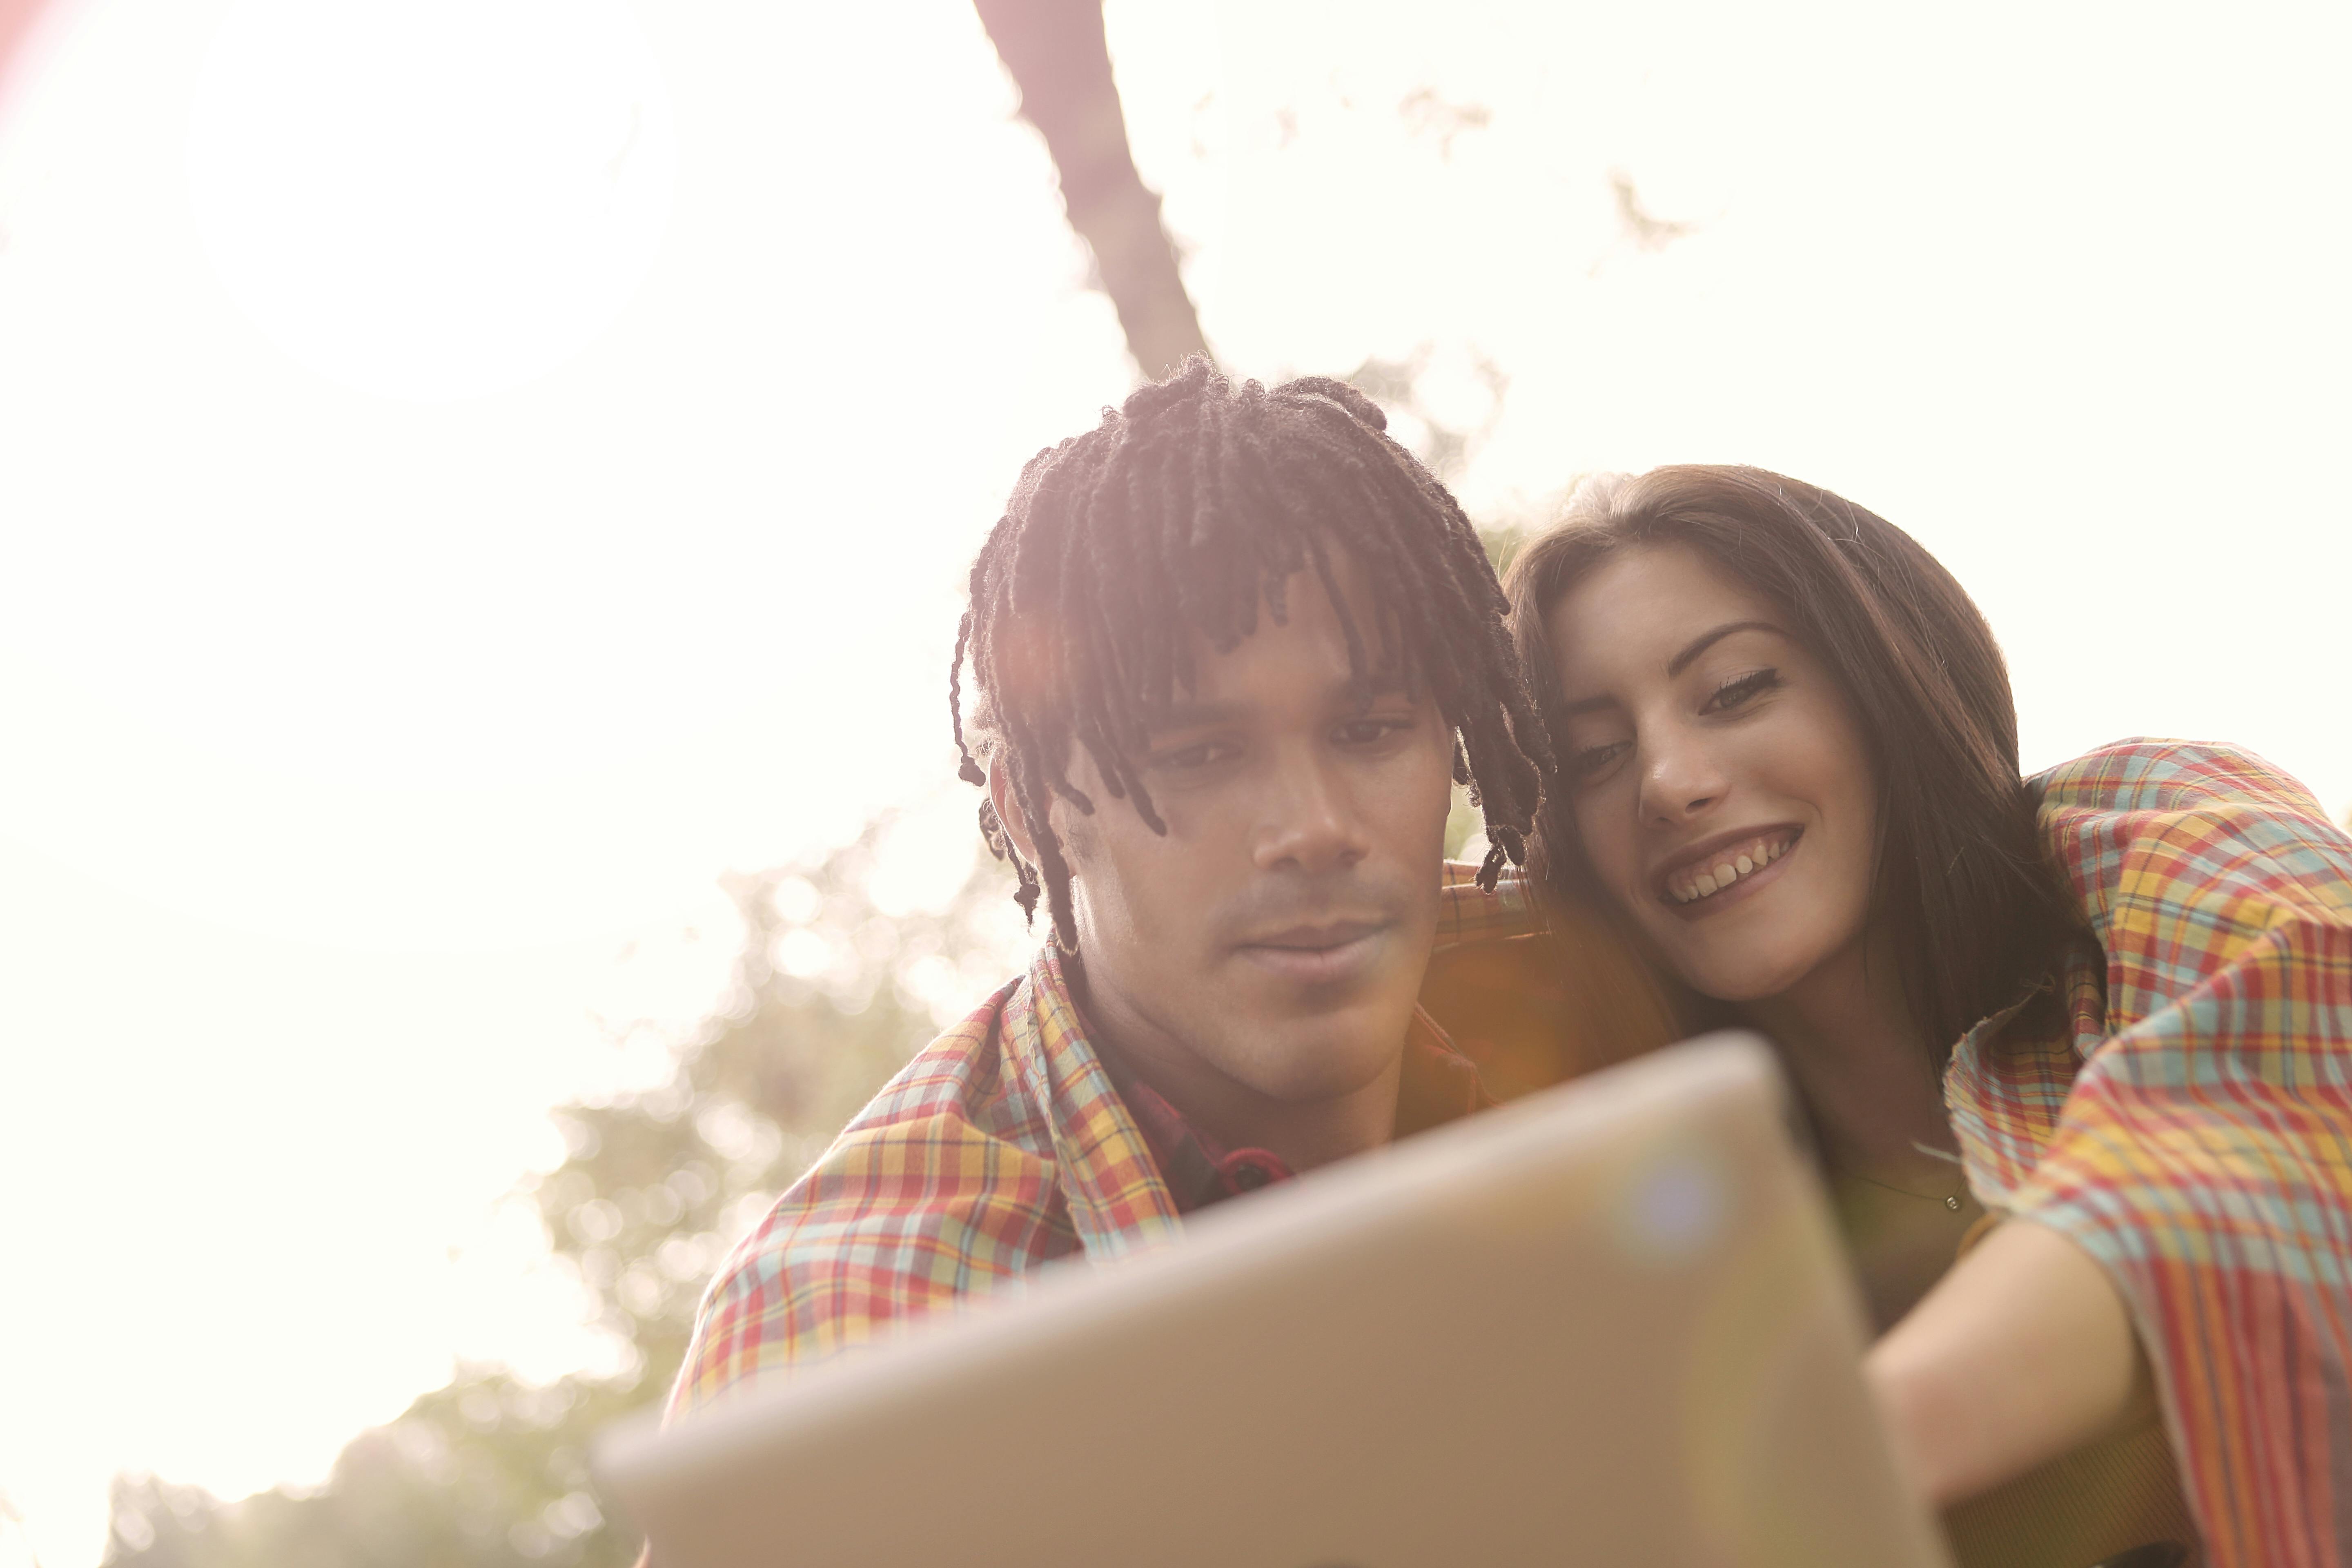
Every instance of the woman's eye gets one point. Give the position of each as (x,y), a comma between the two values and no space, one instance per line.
(1741,688)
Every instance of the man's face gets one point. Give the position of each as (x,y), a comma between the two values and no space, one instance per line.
(1276,935)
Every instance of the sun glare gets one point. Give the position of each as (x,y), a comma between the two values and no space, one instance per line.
(433,199)
(473,473)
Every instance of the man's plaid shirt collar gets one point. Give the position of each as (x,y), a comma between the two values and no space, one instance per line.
(1437,1085)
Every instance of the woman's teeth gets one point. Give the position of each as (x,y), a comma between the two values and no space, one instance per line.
(1690,884)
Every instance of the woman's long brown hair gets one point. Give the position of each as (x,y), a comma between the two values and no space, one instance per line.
(1976,915)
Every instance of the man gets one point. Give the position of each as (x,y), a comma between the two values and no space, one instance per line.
(1230,650)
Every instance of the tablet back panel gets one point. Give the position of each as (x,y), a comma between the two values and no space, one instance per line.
(1607,1324)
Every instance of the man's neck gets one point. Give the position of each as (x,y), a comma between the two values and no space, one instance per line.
(1303,1134)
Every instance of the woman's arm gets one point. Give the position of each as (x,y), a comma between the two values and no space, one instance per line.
(2024,1351)
(2201,1149)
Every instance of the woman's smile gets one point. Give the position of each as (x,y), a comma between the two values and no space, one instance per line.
(1725,870)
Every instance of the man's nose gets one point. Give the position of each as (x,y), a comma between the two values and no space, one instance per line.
(1680,778)
(1309,822)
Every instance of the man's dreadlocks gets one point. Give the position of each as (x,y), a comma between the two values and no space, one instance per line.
(1180,513)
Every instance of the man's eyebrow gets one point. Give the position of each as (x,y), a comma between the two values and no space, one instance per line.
(1706,640)
(1377,684)
(1192,715)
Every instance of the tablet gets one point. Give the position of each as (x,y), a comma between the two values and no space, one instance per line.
(1608,1325)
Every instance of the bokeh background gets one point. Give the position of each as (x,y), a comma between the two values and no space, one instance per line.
(484,492)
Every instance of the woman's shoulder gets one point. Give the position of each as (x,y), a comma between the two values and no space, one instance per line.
(2145,774)
(2189,822)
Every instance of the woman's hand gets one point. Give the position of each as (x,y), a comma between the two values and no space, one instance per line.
(2024,1351)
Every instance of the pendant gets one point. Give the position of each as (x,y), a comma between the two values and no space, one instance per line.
(1953,1203)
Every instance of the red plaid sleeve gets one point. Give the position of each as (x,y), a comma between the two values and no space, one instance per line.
(943,1187)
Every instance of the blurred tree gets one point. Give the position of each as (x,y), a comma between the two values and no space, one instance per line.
(1636,224)
(1400,387)
(1446,447)
(1056,54)
(829,996)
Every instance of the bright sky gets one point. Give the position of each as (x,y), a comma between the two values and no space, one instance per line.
(473,471)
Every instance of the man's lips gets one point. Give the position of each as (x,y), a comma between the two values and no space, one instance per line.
(1317,954)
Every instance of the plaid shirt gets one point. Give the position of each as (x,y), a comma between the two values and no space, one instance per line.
(1003,1146)
(1438,1084)
(2188,1119)
(2190,1125)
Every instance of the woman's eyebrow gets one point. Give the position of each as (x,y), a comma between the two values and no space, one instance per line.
(1705,641)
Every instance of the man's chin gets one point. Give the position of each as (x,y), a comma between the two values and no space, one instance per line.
(1323,1055)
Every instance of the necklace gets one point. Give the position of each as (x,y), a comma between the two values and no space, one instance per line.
(1951,1203)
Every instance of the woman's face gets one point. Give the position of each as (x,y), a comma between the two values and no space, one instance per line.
(1716,772)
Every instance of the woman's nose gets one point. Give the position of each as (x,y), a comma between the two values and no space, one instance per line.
(1680,781)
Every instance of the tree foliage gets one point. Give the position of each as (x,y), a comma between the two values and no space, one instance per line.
(830,994)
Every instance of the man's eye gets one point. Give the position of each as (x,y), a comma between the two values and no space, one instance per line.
(1741,688)
(1585,763)
(1193,756)
(1371,731)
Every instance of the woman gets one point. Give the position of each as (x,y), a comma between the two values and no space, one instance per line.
(2113,1001)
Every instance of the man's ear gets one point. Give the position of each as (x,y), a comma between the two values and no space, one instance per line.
(1008,810)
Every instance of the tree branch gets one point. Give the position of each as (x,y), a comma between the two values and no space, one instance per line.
(1059,59)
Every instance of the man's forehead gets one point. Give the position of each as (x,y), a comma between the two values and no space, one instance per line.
(1288,674)
(1304,656)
